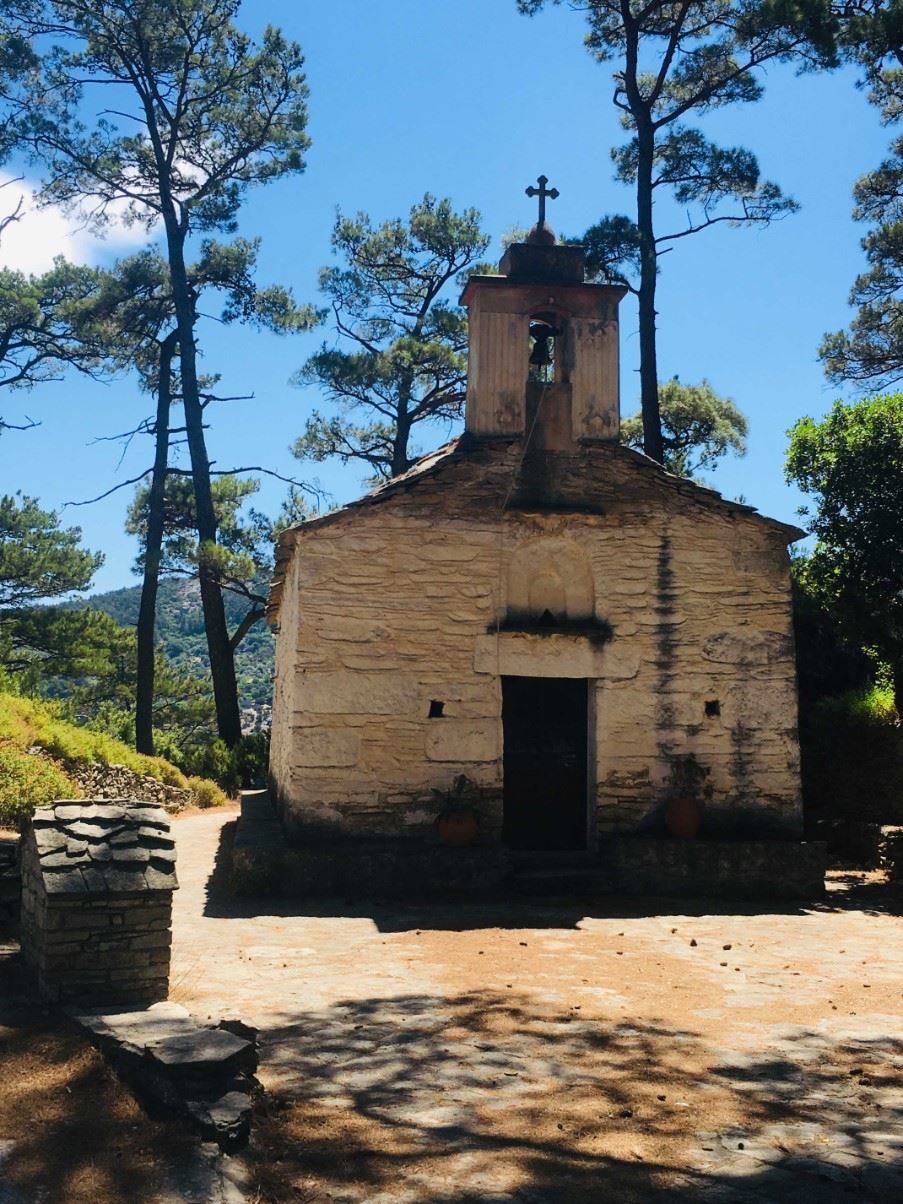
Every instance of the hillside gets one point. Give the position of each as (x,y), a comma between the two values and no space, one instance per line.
(44,757)
(180,631)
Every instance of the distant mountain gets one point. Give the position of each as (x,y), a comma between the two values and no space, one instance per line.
(180,629)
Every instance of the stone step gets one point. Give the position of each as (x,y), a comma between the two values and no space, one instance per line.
(201,1073)
(256,805)
(584,879)
(557,859)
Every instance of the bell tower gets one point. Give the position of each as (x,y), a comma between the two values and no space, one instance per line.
(543,345)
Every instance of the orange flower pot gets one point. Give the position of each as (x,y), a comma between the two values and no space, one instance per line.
(683,817)
(458,829)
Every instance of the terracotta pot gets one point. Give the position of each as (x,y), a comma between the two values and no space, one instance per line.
(683,816)
(458,829)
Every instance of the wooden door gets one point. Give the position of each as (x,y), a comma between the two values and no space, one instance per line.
(545,762)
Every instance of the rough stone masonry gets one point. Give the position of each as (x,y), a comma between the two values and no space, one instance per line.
(97,883)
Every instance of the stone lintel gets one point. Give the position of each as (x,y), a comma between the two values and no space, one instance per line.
(564,654)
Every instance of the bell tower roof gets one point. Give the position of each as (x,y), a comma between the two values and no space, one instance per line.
(541,259)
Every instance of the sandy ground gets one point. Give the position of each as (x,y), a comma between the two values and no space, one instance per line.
(558,1052)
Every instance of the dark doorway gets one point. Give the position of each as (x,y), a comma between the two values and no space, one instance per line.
(545,763)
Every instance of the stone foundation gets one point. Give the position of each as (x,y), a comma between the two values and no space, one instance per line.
(10,879)
(780,869)
(264,863)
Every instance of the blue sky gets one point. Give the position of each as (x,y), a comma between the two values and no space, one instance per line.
(467,99)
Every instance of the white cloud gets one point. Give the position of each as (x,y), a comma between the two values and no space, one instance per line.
(31,243)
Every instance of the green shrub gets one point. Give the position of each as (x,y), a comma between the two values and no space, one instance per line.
(852,756)
(207,793)
(27,781)
(243,767)
(252,760)
(870,707)
(213,760)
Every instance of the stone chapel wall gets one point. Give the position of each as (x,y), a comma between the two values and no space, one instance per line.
(392,609)
(399,606)
(282,731)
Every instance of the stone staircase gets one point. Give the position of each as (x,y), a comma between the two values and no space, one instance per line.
(579,872)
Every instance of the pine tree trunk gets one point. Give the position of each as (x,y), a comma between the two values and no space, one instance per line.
(400,461)
(219,649)
(144,688)
(652,423)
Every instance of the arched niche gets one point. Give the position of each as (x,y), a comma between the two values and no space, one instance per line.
(550,584)
(549,360)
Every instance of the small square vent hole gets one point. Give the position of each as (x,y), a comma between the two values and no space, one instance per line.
(437,709)
(712,708)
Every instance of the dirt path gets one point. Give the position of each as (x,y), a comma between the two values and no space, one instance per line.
(514,1052)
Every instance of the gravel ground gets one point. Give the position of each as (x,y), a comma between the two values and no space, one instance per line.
(559,1052)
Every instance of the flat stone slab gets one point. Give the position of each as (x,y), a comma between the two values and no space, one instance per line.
(178,1064)
(205,1176)
(201,1050)
(224,1120)
(136,1027)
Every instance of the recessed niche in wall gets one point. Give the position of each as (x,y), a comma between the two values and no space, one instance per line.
(550,584)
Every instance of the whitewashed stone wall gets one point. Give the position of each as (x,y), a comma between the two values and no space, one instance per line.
(388,607)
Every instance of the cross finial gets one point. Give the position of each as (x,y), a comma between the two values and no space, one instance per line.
(542,192)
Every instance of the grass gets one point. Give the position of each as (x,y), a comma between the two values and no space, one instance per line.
(28,721)
(27,781)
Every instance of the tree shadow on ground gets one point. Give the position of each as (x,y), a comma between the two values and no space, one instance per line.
(849,891)
(69,1132)
(421,1099)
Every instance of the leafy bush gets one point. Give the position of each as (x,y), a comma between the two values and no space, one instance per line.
(207,793)
(872,706)
(27,781)
(243,767)
(252,760)
(852,756)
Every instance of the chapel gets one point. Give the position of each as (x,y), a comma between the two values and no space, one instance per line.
(542,621)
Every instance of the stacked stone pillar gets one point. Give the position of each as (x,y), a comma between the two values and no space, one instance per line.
(97,883)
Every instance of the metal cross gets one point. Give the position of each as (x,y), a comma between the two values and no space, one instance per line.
(542,192)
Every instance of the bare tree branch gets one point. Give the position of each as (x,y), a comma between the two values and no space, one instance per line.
(122,485)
